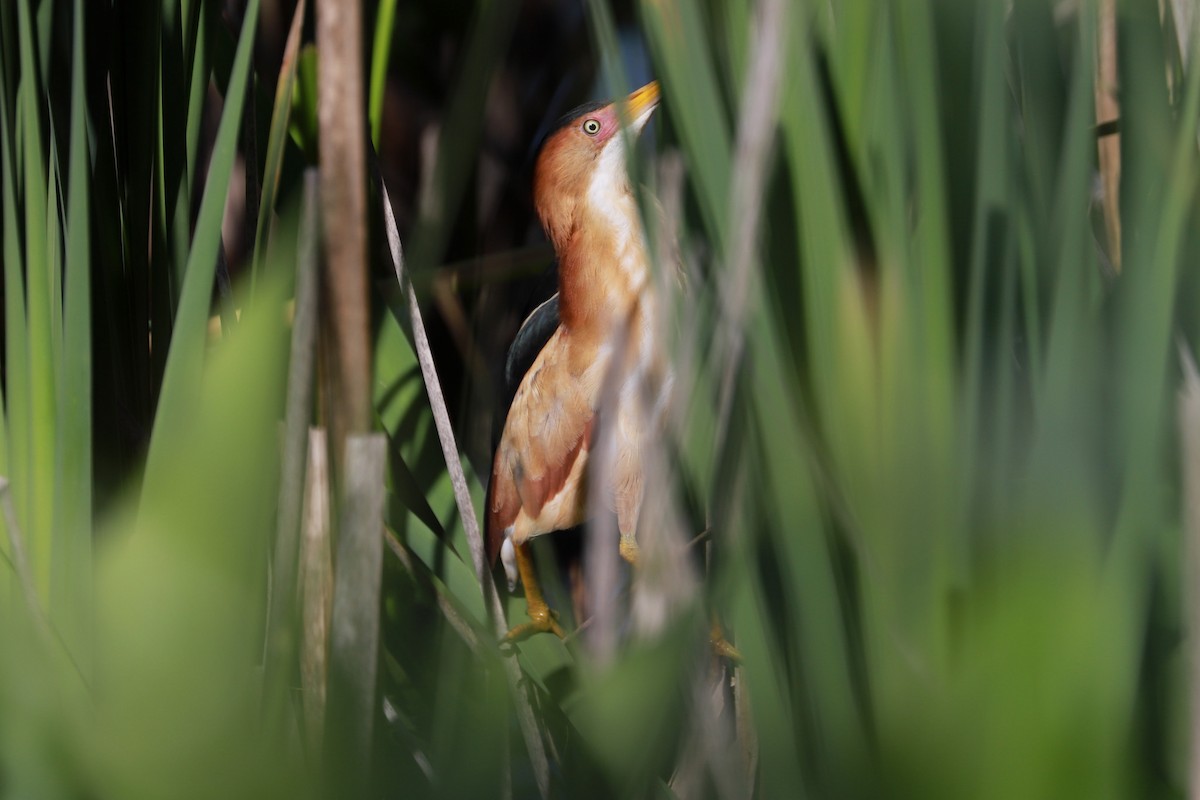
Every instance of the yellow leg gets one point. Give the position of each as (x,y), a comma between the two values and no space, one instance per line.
(720,645)
(629,549)
(541,617)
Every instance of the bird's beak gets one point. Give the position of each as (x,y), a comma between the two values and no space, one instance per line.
(641,104)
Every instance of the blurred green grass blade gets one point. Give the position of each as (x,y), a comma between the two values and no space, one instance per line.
(780,773)
(796,535)
(173,199)
(445,565)
(185,359)
(883,157)
(282,618)
(1030,308)
(853,52)
(822,237)
(198,81)
(14,298)
(692,98)
(645,684)
(1156,235)
(1043,93)
(1042,689)
(45,364)
(43,32)
(420,484)
(991,196)
(12,452)
(929,268)
(188,116)
(381,53)
(181,588)
(992,228)
(1157,186)
(1070,349)
(398,394)
(38,491)
(277,141)
(302,126)
(71,585)
(55,208)
(604,31)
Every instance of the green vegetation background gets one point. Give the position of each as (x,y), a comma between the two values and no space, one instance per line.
(933,430)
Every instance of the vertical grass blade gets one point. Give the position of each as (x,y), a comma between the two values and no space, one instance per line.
(181,376)
(1164,186)
(16,420)
(281,621)
(172,199)
(198,78)
(38,488)
(181,589)
(692,98)
(381,53)
(72,585)
(276,140)
(10,260)
(530,730)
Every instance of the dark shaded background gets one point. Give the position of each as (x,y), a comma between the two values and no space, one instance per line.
(496,264)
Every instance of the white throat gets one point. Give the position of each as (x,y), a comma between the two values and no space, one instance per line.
(610,198)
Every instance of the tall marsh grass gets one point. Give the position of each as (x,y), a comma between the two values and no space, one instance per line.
(927,465)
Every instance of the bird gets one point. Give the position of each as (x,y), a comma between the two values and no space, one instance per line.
(600,369)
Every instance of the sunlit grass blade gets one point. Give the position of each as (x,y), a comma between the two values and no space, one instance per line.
(198,80)
(38,489)
(172,187)
(186,356)
(71,586)
(12,450)
(277,140)
(381,53)
(428,525)
(45,371)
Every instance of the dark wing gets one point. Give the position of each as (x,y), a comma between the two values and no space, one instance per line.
(547,430)
(532,336)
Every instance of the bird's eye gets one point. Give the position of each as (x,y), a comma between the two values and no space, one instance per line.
(591,127)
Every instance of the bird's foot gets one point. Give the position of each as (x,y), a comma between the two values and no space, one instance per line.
(721,646)
(629,549)
(542,619)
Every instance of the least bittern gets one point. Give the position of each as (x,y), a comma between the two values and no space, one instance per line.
(604,342)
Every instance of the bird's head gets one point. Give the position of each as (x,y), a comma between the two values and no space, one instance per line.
(583,155)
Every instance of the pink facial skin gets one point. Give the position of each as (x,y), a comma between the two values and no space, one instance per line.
(609,124)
